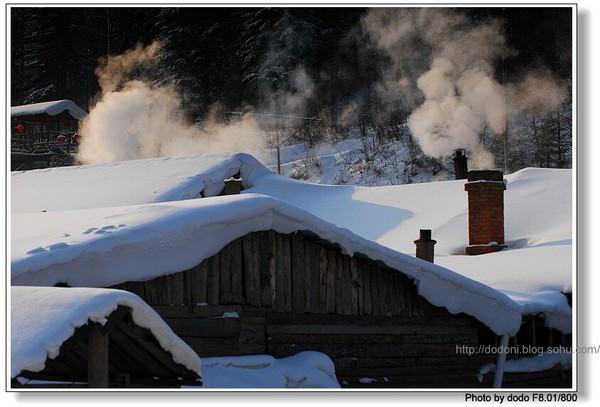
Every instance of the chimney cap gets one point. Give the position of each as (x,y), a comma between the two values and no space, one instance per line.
(485,175)
(460,152)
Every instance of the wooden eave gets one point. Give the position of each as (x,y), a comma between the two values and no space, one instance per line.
(135,358)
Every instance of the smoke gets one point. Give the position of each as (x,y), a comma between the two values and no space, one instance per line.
(134,119)
(537,93)
(450,59)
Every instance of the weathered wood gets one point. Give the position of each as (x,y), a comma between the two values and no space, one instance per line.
(197,312)
(347,283)
(323,280)
(298,273)
(225,275)
(369,330)
(205,327)
(365,320)
(387,285)
(177,289)
(199,283)
(97,357)
(236,272)
(212,281)
(136,287)
(355,302)
(399,373)
(339,286)
(250,250)
(399,301)
(217,310)
(287,272)
(208,347)
(367,291)
(265,255)
(331,280)
(361,350)
(311,277)
(373,339)
(385,361)
(157,291)
(173,311)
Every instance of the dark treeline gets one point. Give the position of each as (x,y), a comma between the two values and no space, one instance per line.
(243,56)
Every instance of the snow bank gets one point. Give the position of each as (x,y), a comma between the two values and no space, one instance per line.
(51,108)
(305,369)
(43,318)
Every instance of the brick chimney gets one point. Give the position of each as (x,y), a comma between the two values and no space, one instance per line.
(460,164)
(486,211)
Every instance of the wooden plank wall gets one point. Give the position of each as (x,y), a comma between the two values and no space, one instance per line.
(288,273)
(287,293)
(382,351)
(281,294)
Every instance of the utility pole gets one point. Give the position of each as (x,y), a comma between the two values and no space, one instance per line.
(278,151)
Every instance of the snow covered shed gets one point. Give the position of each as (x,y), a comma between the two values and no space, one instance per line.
(85,337)
(44,134)
(264,272)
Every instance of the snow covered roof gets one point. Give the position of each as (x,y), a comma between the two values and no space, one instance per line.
(51,108)
(135,221)
(43,318)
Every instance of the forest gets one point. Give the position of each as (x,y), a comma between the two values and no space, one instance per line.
(352,67)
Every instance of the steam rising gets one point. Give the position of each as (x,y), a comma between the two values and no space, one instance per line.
(461,96)
(441,70)
(537,93)
(134,119)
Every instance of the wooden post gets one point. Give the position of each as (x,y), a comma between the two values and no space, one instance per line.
(97,357)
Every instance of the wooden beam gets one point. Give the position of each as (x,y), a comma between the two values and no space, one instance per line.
(97,357)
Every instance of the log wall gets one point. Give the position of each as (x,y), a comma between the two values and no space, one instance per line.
(289,273)
(281,294)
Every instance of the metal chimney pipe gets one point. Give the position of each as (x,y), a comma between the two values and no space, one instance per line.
(233,186)
(460,164)
(425,245)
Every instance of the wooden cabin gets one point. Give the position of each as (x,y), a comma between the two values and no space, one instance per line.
(279,294)
(44,134)
(118,354)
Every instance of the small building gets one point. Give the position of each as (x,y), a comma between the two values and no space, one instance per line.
(44,134)
(85,337)
(276,270)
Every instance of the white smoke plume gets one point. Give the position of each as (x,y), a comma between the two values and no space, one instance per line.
(134,119)
(454,74)
(537,93)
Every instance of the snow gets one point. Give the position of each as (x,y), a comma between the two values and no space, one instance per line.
(125,183)
(43,318)
(102,247)
(101,225)
(51,108)
(305,369)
